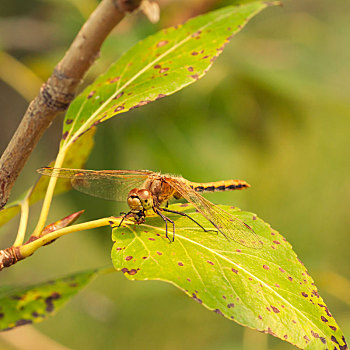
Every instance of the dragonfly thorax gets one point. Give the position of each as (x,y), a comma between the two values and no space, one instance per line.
(140,200)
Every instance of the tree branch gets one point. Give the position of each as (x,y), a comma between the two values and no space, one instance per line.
(59,90)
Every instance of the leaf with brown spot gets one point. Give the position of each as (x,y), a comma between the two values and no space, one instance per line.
(158,66)
(261,286)
(34,304)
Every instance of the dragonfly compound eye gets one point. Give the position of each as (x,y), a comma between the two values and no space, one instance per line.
(146,198)
(135,203)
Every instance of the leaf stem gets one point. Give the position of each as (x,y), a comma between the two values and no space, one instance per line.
(23,221)
(28,249)
(48,196)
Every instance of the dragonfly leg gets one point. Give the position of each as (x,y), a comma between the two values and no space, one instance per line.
(184,214)
(157,211)
(124,217)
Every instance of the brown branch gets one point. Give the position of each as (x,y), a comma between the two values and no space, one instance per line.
(59,90)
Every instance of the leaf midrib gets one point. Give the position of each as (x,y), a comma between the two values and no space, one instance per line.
(252,275)
(118,90)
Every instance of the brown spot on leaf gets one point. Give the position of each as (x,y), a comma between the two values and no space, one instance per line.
(333,328)
(230,305)
(69,121)
(162,43)
(141,103)
(194,53)
(290,278)
(129,257)
(190,69)
(306,338)
(23,322)
(119,95)
(157,66)
(119,108)
(163,70)
(324,319)
(210,262)
(266,267)
(325,309)
(130,272)
(92,93)
(160,96)
(195,76)
(151,239)
(65,134)
(113,80)
(285,336)
(334,339)
(49,301)
(304,294)
(196,34)
(260,317)
(275,309)
(194,296)
(276,242)
(234,270)
(315,293)
(315,335)
(218,311)
(159,253)
(180,263)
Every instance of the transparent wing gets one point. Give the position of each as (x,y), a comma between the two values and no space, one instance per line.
(230,226)
(108,184)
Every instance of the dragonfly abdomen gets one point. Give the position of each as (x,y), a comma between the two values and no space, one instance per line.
(219,186)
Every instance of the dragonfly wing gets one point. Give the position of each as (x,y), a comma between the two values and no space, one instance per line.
(230,226)
(108,184)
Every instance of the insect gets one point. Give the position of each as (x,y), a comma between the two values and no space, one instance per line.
(147,190)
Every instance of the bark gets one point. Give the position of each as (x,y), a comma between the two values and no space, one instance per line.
(57,93)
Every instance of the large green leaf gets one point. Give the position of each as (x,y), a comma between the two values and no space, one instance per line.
(76,157)
(268,289)
(158,66)
(33,304)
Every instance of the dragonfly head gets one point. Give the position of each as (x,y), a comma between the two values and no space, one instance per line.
(140,199)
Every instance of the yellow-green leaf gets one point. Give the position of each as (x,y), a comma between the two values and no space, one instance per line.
(34,304)
(267,289)
(158,66)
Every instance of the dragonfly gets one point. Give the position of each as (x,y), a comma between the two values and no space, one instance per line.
(146,190)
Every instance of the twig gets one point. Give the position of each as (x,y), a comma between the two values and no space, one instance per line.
(12,255)
(58,92)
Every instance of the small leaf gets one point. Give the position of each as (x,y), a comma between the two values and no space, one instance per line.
(267,289)
(64,222)
(33,304)
(76,157)
(157,67)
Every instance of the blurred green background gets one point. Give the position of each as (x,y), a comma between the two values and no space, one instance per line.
(274,110)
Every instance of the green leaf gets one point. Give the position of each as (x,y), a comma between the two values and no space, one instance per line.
(76,157)
(33,304)
(267,289)
(158,66)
